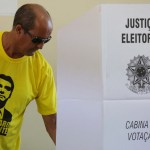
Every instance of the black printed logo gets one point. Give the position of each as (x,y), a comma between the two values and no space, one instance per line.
(138,73)
(6,89)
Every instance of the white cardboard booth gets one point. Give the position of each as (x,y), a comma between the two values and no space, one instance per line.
(103,79)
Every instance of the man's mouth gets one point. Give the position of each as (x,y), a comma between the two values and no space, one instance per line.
(2,96)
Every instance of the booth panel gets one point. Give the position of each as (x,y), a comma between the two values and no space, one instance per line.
(126,51)
(79,67)
(79,125)
(126,125)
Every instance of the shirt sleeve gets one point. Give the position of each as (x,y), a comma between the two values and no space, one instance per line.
(46,99)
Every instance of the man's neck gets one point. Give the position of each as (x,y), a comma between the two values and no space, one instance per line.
(7,41)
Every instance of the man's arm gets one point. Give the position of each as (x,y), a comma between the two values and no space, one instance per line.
(50,124)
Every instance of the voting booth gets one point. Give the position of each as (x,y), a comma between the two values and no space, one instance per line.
(103,79)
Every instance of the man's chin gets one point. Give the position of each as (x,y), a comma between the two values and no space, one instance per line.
(2,103)
(30,54)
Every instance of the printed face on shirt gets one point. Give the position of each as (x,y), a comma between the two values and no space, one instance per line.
(5,89)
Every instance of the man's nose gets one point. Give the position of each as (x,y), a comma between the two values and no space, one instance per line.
(1,92)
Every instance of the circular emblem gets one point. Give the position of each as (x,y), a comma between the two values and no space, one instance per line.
(138,73)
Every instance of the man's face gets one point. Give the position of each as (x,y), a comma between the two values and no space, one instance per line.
(5,89)
(42,31)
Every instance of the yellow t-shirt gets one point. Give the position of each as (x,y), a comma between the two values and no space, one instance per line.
(21,81)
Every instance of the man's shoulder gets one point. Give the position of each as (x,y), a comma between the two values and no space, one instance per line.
(40,60)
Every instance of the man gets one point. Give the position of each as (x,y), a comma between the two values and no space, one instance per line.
(32,76)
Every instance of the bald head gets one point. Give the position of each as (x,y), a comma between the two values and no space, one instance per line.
(28,14)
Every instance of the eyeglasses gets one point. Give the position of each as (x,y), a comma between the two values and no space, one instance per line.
(37,40)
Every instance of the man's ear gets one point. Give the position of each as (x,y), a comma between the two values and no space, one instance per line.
(19,30)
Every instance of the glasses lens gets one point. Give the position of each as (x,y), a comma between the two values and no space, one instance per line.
(37,40)
(40,40)
(46,40)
